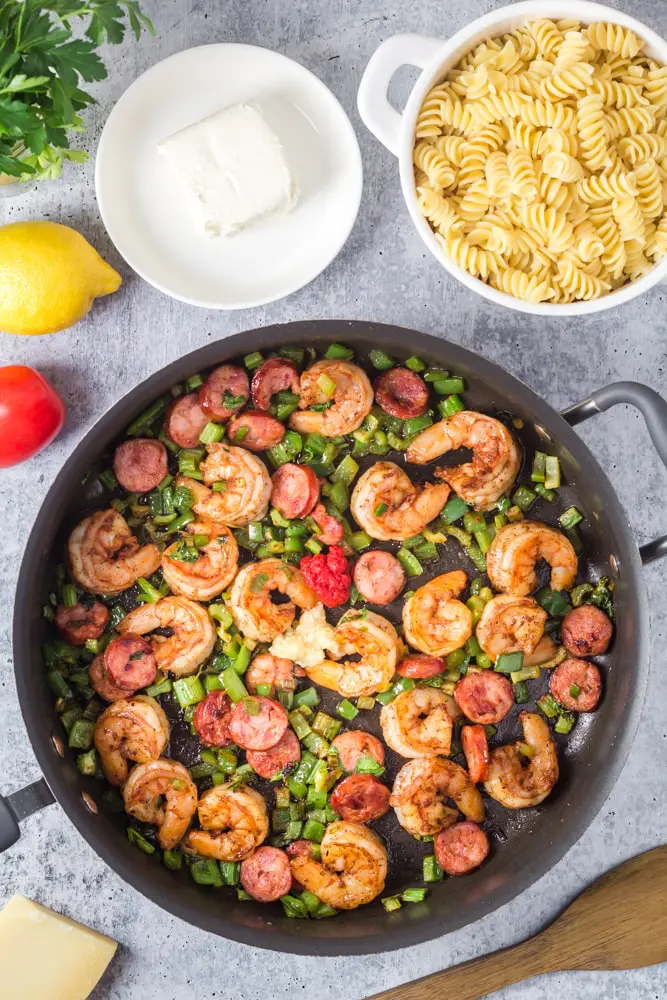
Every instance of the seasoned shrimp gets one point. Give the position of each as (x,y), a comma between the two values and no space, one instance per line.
(510,624)
(376,641)
(164,794)
(495,456)
(192,633)
(419,723)
(352,399)
(105,557)
(246,491)
(420,792)
(353,868)
(513,553)
(544,654)
(213,567)
(388,505)
(433,620)
(254,612)
(234,822)
(275,671)
(130,729)
(516,780)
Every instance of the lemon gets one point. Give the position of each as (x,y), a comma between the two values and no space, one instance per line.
(49,277)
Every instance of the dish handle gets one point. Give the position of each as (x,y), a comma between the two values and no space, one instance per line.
(654,410)
(376,112)
(19,805)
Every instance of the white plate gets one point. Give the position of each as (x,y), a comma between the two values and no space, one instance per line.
(140,199)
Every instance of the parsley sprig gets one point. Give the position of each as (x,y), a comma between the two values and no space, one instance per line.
(43,68)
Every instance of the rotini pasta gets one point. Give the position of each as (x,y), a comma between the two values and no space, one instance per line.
(541,161)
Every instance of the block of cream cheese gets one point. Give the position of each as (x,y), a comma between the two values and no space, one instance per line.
(233,169)
(45,956)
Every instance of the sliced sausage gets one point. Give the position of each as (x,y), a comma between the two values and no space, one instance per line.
(130,663)
(360,798)
(300,849)
(255,430)
(257,723)
(295,489)
(269,669)
(331,530)
(224,392)
(379,577)
(185,420)
(269,763)
(485,697)
(267,874)
(586,631)
(576,674)
(140,464)
(475,746)
(401,393)
(461,848)
(211,719)
(354,744)
(274,375)
(420,665)
(80,623)
(101,684)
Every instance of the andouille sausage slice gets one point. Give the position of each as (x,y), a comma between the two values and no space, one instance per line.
(224,392)
(269,763)
(461,848)
(267,874)
(274,375)
(211,719)
(354,744)
(360,798)
(101,684)
(257,723)
(129,662)
(300,849)
(577,685)
(379,577)
(81,622)
(586,631)
(295,489)
(475,746)
(420,665)
(401,393)
(255,430)
(185,420)
(140,464)
(485,697)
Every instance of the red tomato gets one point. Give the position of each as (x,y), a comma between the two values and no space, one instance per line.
(31,414)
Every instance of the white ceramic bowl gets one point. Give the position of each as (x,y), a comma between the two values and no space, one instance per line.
(435,58)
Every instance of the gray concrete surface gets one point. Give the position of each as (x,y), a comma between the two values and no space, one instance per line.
(384,274)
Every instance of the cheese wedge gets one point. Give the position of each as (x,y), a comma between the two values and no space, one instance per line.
(45,956)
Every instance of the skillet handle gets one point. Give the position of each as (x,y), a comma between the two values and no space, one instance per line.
(18,805)
(654,410)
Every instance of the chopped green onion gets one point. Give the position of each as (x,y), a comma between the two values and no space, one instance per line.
(564,723)
(347,710)
(473,522)
(514,513)
(415,364)
(345,471)
(86,763)
(299,724)
(360,540)
(414,895)
(484,538)
(549,495)
(552,473)
(450,405)
(409,562)
(326,385)
(81,735)
(507,663)
(188,691)
(206,871)
(161,687)
(446,386)
(145,419)
(521,695)
(365,703)
(391,903)
(173,860)
(212,432)
(575,690)
(416,424)
(384,697)
(147,592)
(435,374)
(380,360)
(138,840)
(313,830)
(548,706)
(295,354)
(231,872)
(253,360)
(380,509)
(308,696)
(539,467)
(432,872)
(108,479)
(569,518)
(233,684)
(368,765)
(242,660)
(325,726)
(338,352)
(454,509)
(523,497)
(69,595)
(241,433)
(402,684)
(525,674)
(293,906)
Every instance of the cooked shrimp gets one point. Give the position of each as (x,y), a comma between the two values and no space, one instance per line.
(387,504)
(234,822)
(516,780)
(246,491)
(544,654)
(433,620)
(254,612)
(513,553)
(419,723)
(352,399)
(192,633)
(213,569)
(105,557)
(376,641)
(420,792)
(495,456)
(510,624)
(130,729)
(353,868)
(275,671)
(164,794)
